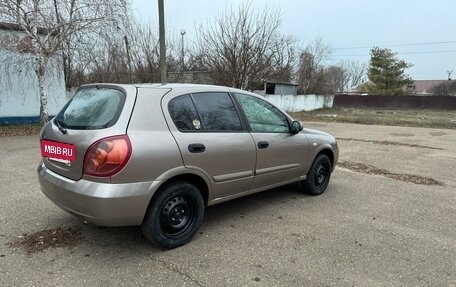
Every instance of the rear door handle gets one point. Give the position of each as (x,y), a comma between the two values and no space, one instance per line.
(196,148)
(263,144)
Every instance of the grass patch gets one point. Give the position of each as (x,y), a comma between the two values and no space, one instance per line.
(408,118)
(20,130)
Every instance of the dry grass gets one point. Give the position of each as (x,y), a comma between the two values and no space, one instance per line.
(20,130)
(409,118)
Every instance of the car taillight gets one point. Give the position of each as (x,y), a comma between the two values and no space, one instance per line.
(107,156)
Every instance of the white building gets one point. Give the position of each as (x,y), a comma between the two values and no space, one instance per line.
(19,95)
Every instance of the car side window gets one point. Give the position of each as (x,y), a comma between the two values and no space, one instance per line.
(184,114)
(262,116)
(217,111)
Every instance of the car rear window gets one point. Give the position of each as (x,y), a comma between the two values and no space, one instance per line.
(92,108)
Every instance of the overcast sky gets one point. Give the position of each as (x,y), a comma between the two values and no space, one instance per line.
(355,24)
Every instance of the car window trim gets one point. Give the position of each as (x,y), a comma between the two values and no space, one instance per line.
(197,112)
(213,131)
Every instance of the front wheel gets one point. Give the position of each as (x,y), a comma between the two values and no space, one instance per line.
(174,216)
(318,178)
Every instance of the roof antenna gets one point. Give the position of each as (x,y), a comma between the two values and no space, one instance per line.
(449,72)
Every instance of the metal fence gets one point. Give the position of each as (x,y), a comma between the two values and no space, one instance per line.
(395,102)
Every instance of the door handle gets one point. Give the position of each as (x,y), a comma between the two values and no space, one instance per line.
(196,148)
(263,144)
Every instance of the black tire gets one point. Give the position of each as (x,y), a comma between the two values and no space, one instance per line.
(174,215)
(318,177)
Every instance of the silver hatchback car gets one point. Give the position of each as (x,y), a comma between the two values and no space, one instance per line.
(156,155)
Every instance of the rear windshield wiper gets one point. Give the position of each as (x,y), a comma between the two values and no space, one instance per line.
(60,126)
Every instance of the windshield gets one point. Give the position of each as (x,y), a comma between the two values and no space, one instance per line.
(92,108)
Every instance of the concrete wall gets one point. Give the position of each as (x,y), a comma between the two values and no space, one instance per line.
(300,103)
(19,95)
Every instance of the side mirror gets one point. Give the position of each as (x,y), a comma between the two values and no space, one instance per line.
(296,127)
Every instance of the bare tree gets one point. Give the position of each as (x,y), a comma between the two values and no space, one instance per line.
(145,53)
(344,76)
(242,48)
(357,72)
(447,88)
(311,70)
(50,25)
(336,79)
(129,54)
(314,76)
(86,51)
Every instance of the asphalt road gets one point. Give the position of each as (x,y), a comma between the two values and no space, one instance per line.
(366,230)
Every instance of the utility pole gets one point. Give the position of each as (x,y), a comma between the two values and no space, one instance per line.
(127,48)
(183,51)
(161,24)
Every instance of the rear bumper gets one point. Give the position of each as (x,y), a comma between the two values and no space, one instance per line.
(103,204)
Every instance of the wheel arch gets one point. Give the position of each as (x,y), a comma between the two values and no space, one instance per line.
(191,178)
(330,154)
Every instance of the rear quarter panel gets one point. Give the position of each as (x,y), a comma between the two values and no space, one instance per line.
(154,150)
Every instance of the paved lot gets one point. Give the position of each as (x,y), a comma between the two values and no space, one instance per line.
(366,230)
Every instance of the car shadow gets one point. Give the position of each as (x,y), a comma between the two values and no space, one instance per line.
(248,205)
(126,241)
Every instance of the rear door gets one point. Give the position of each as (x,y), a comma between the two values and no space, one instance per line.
(94,112)
(281,155)
(212,139)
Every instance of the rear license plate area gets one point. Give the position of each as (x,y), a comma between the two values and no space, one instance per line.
(58,151)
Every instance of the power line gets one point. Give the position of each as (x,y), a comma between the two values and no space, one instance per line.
(427,52)
(396,45)
(403,53)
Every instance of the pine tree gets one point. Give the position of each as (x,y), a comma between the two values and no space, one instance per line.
(387,73)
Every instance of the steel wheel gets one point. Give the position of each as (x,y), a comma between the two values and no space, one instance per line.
(318,177)
(174,215)
(177,215)
(321,174)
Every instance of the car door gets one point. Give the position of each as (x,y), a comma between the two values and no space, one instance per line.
(212,139)
(281,155)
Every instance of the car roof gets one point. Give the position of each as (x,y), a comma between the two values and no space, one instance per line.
(193,87)
(174,86)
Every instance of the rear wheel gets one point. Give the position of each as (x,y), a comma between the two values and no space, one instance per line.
(174,216)
(318,178)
